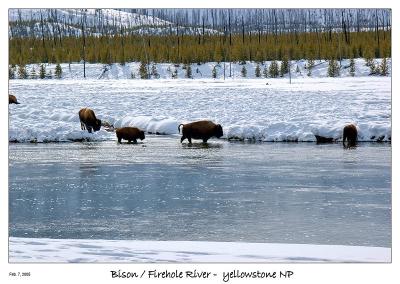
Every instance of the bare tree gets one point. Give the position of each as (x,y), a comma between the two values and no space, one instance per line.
(83,25)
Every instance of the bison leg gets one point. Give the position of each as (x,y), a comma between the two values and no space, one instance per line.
(83,126)
(183,138)
(134,141)
(89,129)
(119,140)
(205,140)
(190,140)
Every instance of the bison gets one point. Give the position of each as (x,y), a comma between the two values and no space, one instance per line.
(350,134)
(130,134)
(200,130)
(88,120)
(12,100)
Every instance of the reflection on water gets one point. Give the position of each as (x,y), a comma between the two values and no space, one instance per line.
(220,191)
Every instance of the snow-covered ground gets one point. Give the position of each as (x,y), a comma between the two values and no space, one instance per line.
(256,109)
(78,250)
(233,70)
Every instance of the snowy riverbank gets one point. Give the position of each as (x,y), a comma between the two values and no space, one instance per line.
(77,250)
(246,108)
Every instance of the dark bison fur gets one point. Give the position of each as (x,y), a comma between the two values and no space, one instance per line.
(12,100)
(203,129)
(322,139)
(88,120)
(130,134)
(350,134)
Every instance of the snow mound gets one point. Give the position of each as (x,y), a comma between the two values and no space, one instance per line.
(152,125)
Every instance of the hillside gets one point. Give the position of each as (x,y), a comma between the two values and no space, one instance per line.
(96,22)
(67,22)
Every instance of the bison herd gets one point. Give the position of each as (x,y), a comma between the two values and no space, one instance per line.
(202,130)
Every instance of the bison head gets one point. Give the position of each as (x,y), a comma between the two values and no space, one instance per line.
(218,131)
(97,125)
(141,135)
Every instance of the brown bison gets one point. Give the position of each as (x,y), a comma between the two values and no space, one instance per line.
(200,130)
(88,120)
(12,100)
(350,134)
(130,134)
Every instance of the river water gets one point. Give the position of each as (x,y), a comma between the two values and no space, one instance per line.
(221,191)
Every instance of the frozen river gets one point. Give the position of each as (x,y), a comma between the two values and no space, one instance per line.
(224,191)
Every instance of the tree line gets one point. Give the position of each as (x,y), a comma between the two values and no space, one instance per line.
(180,48)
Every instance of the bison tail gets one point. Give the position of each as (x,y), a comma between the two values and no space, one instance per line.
(179,126)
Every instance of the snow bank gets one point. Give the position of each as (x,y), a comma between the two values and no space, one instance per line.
(153,125)
(81,250)
(247,109)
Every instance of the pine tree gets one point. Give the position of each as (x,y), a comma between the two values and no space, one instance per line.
(333,68)
(154,71)
(42,71)
(258,71)
(188,71)
(22,72)
(310,66)
(244,71)
(352,67)
(274,69)
(265,71)
(11,72)
(33,74)
(369,60)
(384,67)
(372,67)
(58,71)
(214,72)
(143,71)
(284,66)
